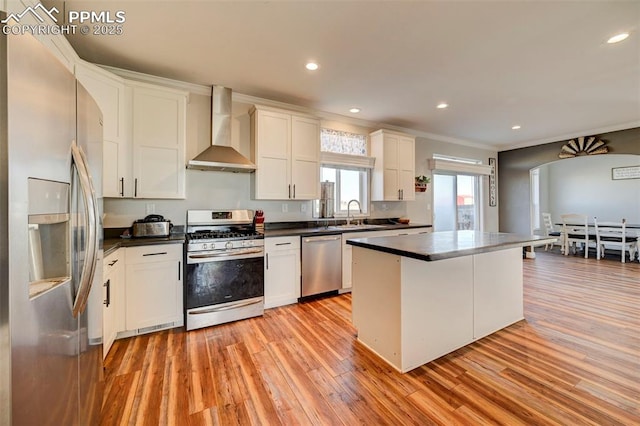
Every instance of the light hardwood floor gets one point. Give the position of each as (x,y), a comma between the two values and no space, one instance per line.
(575,360)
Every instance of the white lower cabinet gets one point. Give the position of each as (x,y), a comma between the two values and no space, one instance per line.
(281,271)
(347,249)
(154,287)
(113,317)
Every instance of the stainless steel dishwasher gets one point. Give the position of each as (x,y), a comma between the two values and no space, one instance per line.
(321,264)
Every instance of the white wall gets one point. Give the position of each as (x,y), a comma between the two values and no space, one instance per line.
(421,210)
(584,185)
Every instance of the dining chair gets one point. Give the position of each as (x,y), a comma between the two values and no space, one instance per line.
(550,231)
(615,234)
(575,228)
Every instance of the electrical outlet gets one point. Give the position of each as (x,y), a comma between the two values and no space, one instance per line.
(285,208)
(150,208)
(303,207)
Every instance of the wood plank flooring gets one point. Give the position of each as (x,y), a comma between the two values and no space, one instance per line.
(575,360)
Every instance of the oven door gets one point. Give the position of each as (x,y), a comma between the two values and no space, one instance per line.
(215,278)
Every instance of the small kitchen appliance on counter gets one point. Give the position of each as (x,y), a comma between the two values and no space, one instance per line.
(327,199)
(154,225)
(224,267)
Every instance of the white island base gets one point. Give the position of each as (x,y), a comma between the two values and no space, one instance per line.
(411,311)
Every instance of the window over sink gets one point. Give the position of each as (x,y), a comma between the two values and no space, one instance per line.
(350,184)
(344,162)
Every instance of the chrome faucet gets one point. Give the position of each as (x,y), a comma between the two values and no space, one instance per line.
(349,210)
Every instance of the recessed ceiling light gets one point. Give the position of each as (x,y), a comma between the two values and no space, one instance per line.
(618,38)
(311,66)
(442,105)
(354,110)
(516,127)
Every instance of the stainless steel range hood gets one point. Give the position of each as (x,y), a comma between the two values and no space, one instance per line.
(221,156)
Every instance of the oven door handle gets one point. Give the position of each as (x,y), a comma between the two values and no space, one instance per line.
(240,304)
(227,254)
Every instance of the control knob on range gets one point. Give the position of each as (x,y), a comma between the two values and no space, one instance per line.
(206,246)
(229,245)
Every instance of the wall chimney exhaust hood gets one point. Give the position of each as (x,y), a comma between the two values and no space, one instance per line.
(220,156)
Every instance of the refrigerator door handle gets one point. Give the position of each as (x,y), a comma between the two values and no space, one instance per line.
(91,207)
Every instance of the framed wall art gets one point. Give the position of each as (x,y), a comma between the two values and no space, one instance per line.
(493,191)
(630,172)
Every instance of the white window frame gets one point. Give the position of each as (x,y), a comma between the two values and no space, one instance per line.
(365,198)
(534,182)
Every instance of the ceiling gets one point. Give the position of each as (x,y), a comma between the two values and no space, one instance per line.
(542,65)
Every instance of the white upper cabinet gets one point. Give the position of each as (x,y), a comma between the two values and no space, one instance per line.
(394,170)
(305,156)
(144,135)
(286,151)
(159,136)
(110,93)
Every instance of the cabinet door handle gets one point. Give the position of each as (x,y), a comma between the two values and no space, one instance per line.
(283,244)
(266,259)
(122,187)
(107,301)
(135,187)
(402,194)
(294,190)
(289,190)
(114,262)
(179,271)
(155,254)
(398,194)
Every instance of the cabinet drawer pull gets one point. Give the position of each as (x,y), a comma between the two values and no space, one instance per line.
(283,244)
(155,254)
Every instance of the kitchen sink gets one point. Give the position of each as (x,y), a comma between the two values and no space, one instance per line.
(354,226)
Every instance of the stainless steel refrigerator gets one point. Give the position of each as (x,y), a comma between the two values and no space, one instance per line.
(50,241)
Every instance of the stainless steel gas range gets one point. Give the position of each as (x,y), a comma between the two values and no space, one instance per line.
(225,268)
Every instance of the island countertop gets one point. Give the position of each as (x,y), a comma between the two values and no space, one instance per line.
(447,244)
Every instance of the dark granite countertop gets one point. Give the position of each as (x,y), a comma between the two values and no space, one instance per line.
(111,244)
(446,245)
(306,231)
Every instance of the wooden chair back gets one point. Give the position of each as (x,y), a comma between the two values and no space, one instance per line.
(614,234)
(575,229)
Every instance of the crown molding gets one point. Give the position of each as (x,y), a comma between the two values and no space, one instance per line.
(565,137)
(196,89)
(199,89)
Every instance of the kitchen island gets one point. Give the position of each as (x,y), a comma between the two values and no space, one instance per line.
(416,298)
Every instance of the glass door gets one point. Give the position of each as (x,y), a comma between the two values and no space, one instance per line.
(456,202)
